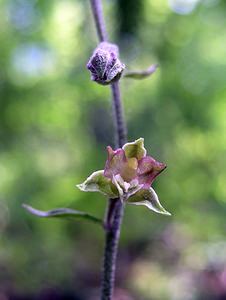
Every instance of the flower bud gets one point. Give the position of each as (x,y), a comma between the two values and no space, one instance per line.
(104,64)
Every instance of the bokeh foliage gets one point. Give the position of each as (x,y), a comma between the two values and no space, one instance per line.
(55,124)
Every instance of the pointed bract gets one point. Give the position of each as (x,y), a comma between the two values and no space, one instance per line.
(142,74)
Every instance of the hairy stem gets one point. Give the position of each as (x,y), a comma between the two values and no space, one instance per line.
(110,252)
(119,122)
(97,10)
(115,209)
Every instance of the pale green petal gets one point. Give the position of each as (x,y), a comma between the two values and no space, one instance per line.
(135,149)
(97,182)
(148,198)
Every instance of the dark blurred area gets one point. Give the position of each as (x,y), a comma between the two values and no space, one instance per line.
(55,125)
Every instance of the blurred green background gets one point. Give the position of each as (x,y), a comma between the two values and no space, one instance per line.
(55,125)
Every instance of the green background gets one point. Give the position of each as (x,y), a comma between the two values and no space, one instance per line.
(55,125)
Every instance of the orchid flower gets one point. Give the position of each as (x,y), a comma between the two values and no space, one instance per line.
(128,174)
(104,64)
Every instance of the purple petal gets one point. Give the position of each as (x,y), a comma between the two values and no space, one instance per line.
(115,162)
(148,169)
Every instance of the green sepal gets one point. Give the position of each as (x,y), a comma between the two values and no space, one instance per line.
(148,198)
(62,213)
(135,149)
(97,182)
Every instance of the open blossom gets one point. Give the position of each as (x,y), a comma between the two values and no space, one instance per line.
(129,173)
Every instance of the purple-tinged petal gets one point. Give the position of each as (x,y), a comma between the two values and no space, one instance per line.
(115,162)
(148,169)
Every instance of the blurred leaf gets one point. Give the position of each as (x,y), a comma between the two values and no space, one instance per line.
(62,213)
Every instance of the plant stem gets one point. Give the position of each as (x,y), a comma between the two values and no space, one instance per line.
(117,208)
(97,10)
(110,252)
(118,116)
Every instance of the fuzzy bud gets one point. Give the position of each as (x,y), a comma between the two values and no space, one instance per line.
(104,64)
